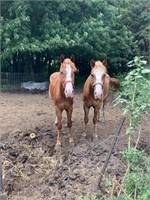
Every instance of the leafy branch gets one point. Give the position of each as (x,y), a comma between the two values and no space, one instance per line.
(135,98)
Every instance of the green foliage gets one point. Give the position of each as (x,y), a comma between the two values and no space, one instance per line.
(137,182)
(139,24)
(79,81)
(108,183)
(35,33)
(15,28)
(135,97)
(135,86)
(91,197)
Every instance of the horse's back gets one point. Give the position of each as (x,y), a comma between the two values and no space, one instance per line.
(106,86)
(54,76)
(115,82)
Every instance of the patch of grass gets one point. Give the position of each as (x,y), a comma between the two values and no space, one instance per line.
(91,197)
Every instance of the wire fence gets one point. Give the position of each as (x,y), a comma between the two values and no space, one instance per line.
(14,80)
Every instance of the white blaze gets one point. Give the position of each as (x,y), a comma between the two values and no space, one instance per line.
(98,90)
(68,86)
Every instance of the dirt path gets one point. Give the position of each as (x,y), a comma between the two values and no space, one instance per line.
(31,168)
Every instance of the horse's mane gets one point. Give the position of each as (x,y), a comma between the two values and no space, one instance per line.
(68,61)
(86,88)
(99,64)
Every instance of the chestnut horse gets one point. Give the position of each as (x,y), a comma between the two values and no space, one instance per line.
(95,92)
(61,92)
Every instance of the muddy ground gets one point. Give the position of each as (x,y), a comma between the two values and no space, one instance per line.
(31,168)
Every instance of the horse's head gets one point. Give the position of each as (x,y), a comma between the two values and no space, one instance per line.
(98,73)
(67,71)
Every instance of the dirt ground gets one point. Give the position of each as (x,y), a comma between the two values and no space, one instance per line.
(31,168)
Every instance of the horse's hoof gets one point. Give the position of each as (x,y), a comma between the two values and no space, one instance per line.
(95,139)
(57,148)
(83,137)
(98,119)
(103,120)
(72,144)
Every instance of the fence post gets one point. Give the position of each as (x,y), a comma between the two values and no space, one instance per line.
(110,152)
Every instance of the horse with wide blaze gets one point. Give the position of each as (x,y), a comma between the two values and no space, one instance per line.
(61,90)
(95,92)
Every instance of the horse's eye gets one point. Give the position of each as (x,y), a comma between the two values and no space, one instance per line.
(92,75)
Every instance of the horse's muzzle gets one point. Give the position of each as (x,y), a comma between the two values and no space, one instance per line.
(69,89)
(98,95)
(69,93)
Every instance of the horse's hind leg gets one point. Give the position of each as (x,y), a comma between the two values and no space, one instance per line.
(102,109)
(96,111)
(56,121)
(103,115)
(69,124)
(59,127)
(86,119)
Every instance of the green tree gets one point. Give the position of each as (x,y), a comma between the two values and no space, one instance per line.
(34,34)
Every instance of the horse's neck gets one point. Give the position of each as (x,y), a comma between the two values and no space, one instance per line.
(87,87)
(62,92)
(58,88)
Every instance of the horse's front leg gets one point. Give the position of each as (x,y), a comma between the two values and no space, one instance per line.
(69,124)
(96,111)
(59,127)
(102,110)
(86,118)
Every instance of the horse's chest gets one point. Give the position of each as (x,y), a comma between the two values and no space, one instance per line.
(90,101)
(64,103)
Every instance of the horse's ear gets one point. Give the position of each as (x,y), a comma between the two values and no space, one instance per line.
(92,63)
(77,70)
(62,58)
(72,58)
(104,62)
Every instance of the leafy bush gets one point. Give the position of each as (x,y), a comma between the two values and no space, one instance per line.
(135,97)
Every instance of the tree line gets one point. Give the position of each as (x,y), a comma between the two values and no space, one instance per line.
(35,33)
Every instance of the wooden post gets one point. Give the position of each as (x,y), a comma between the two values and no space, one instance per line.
(110,152)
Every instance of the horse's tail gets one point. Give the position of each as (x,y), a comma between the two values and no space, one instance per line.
(115,83)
